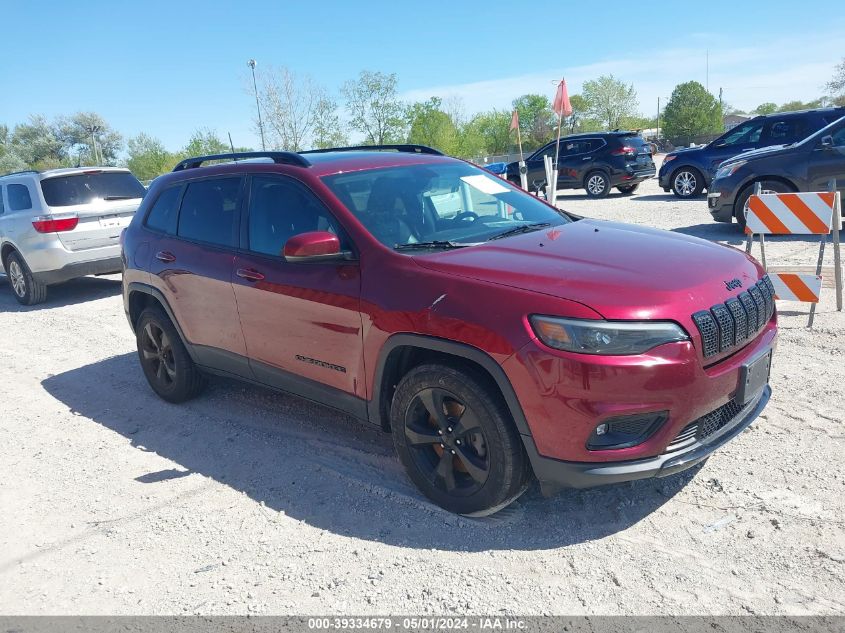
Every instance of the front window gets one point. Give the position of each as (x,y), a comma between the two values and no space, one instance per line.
(439,205)
(744,134)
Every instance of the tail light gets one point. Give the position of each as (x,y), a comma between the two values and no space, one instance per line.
(55,223)
(626,150)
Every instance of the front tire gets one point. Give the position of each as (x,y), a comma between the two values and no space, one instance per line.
(457,440)
(687,182)
(26,289)
(166,363)
(597,184)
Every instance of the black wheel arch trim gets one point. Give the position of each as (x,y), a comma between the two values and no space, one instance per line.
(137,286)
(444,346)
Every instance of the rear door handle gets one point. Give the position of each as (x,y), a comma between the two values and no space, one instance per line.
(250,274)
(164,256)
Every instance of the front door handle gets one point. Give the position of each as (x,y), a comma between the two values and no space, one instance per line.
(164,256)
(587,158)
(250,274)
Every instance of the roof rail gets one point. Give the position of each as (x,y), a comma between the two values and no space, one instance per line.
(285,158)
(22,171)
(409,148)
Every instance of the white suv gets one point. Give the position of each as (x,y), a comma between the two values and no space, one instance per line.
(60,224)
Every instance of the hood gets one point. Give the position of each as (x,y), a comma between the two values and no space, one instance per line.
(755,153)
(621,271)
(686,150)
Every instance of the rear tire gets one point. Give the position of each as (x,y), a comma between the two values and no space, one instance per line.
(767,186)
(457,440)
(597,184)
(165,361)
(627,190)
(687,182)
(26,289)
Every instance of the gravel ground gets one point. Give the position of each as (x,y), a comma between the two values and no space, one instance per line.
(247,501)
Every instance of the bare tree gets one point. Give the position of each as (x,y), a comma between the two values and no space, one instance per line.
(289,102)
(374,108)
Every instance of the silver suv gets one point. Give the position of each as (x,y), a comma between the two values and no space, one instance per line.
(60,224)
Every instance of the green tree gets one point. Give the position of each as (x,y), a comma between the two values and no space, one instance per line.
(37,144)
(610,100)
(147,157)
(204,142)
(430,125)
(536,120)
(766,108)
(328,131)
(487,133)
(836,86)
(792,106)
(374,108)
(87,136)
(691,111)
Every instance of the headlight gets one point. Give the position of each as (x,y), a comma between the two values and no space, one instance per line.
(729,170)
(668,158)
(605,337)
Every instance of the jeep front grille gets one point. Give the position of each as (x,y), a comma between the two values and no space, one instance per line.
(726,326)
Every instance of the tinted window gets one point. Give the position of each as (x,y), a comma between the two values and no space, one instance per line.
(19,199)
(2,209)
(280,209)
(162,216)
(64,191)
(785,130)
(209,211)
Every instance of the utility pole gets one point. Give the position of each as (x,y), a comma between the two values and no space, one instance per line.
(658,118)
(707,74)
(251,64)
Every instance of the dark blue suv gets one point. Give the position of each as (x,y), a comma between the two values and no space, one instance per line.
(688,171)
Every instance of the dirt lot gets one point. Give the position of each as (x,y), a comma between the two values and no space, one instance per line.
(247,501)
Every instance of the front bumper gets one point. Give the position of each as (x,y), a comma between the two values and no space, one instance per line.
(554,475)
(720,203)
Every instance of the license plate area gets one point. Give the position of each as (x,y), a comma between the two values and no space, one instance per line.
(111,221)
(753,377)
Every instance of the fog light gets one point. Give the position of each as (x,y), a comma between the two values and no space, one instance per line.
(626,431)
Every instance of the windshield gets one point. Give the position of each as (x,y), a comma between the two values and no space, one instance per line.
(439,205)
(748,132)
(64,191)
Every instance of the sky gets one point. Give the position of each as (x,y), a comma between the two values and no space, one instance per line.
(169,68)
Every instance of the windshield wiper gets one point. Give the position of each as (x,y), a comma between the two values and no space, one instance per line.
(119,197)
(431,244)
(525,228)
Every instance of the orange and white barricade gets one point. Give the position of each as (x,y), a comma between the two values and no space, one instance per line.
(812,213)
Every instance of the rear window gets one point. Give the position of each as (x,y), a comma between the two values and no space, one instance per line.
(635,141)
(65,191)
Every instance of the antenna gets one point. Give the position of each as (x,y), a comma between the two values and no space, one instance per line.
(232,145)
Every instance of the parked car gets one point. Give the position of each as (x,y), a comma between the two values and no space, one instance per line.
(496,337)
(688,171)
(805,166)
(59,224)
(500,169)
(596,162)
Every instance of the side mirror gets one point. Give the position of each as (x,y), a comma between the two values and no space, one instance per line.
(313,245)
(827,141)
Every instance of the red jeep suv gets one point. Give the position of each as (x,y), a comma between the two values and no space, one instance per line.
(496,337)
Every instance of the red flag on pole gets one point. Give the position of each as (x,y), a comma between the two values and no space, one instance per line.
(515,120)
(561,106)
